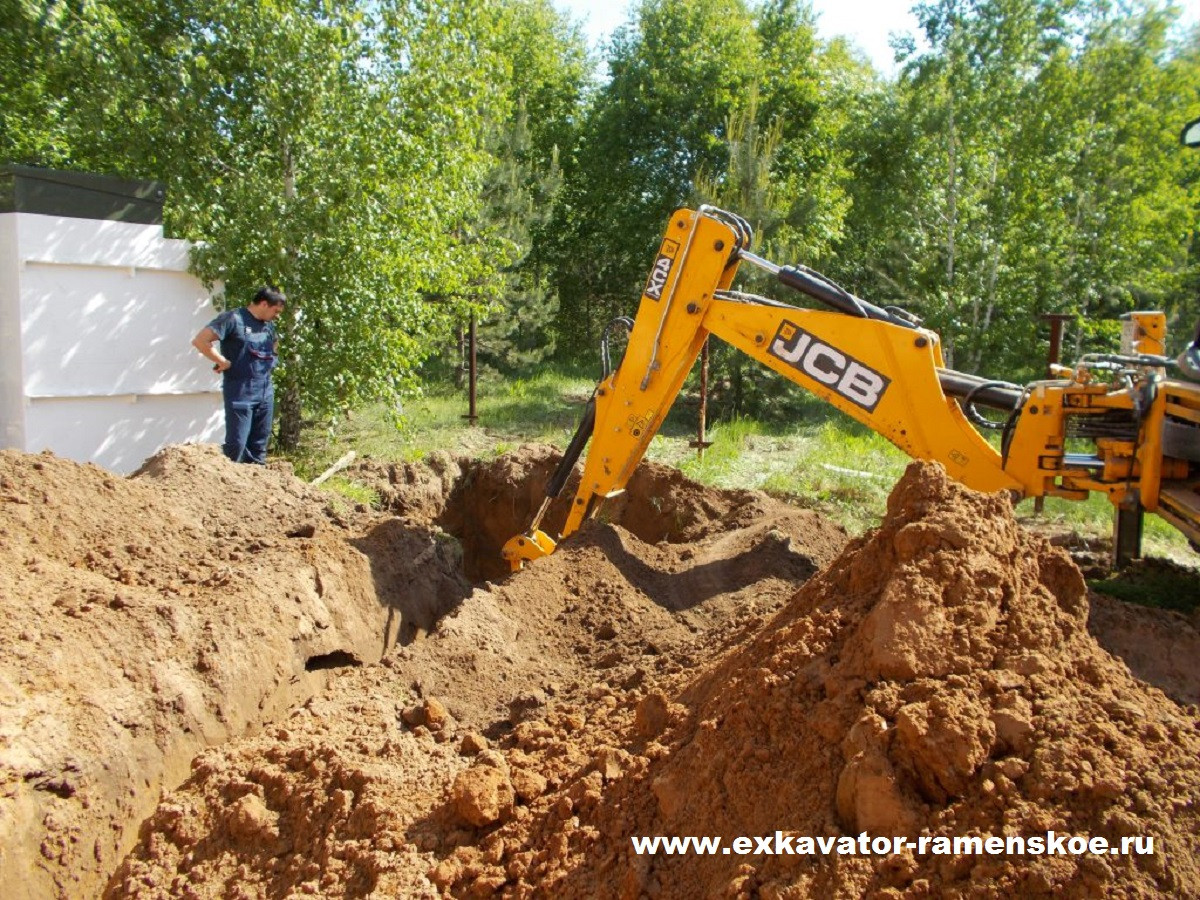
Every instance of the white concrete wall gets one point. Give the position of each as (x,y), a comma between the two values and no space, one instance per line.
(96,320)
(12,379)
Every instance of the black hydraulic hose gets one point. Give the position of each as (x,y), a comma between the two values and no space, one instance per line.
(821,287)
(981,391)
(968,404)
(1010,428)
(835,297)
(574,450)
(971,389)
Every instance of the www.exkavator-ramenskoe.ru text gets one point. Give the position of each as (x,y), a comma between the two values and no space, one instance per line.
(786,844)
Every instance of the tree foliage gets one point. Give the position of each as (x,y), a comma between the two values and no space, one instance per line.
(658,135)
(370,229)
(399,166)
(1026,163)
(675,72)
(549,74)
(337,150)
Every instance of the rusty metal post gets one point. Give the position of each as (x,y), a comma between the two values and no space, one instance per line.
(1127,535)
(701,444)
(1056,321)
(473,372)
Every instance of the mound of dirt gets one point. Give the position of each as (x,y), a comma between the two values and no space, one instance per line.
(1160,646)
(225,683)
(485,504)
(936,680)
(147,618)
(603,616)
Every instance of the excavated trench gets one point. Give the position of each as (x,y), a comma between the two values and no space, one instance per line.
(473,507)
(482,504)
(935,677)
(202,601)
(632,594)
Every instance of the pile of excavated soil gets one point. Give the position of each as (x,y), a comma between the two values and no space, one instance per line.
(225,683)
(937,679)
(560,640)
(145,619)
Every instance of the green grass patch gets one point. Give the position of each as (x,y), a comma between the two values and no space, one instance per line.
(1094,516)
(828,463)
(1154,582)
(729,462)
(845,470)
(543,408)
(347,491)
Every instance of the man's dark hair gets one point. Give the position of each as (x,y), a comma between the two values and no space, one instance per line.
(270,295)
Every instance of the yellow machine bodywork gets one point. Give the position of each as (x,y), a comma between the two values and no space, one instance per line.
(884,370)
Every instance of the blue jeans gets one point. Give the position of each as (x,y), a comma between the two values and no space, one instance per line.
(248,427)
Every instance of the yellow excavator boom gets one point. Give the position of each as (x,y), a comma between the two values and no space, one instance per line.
(877,365)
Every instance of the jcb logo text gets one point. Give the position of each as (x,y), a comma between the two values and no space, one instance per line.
(661,270)
(856,382)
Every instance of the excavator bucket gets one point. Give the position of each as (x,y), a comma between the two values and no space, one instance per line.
(526,547)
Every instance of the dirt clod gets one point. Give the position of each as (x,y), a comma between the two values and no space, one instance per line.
(482,796)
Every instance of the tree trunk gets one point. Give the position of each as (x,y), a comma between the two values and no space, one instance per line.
(460,359)
(737,391)
(983,307)
(951,201)
(287,396)
(1081,207)
(288,416)
(950,339)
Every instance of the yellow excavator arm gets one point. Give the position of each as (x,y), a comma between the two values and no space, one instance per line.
(877,365)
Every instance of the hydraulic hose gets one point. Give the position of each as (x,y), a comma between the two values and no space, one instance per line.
(574,450)
(835,297)
(819,287)
(992,394)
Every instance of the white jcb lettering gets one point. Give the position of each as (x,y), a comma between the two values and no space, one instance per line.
(861,385)
(824,374)
(792,356)
(851,379)
(658,277)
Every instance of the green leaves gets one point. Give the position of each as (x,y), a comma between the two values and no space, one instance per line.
(398,166)
(1028,164)
(681,74)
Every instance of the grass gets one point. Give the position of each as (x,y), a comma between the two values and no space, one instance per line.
(544,408)
(1094,516)
(831,464)
(809,454)
(1156,582)
(352,492)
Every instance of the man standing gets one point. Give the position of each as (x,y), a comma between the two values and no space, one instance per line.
(246,357)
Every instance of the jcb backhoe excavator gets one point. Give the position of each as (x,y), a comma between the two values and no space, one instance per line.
(1139,429)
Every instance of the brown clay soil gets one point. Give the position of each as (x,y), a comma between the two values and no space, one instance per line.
(220,682)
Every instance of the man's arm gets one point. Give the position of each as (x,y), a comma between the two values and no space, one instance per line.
(205,341)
